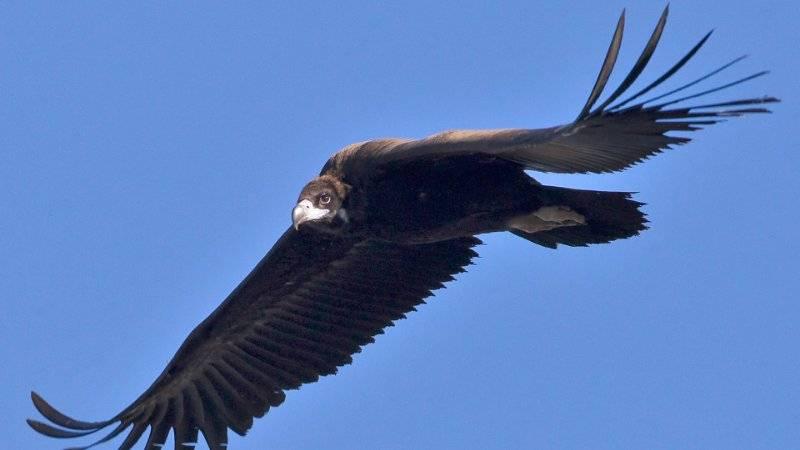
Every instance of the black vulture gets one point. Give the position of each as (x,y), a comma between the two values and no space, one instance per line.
(384,224)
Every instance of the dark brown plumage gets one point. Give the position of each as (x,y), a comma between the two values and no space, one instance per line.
(385,224)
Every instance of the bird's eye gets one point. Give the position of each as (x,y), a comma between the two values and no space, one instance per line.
(324,199)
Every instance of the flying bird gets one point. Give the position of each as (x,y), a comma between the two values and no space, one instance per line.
(387,222)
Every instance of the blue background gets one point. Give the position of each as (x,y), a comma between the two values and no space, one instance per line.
(150,154)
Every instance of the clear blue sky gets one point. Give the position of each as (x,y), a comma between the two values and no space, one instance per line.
(150,155)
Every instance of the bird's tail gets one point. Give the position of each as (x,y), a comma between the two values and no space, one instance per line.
(578,218)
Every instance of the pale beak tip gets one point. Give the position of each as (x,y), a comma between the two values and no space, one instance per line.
(306,212)
(298,216)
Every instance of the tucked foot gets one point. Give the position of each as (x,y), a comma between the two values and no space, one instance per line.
(547,218)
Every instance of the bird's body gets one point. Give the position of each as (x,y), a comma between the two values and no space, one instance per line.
(449,197)
(467,195)
(384,224)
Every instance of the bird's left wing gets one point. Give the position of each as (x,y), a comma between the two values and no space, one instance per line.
(607,137)
(305,309)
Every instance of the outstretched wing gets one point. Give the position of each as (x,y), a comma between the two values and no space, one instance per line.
(305,309)
(605,138)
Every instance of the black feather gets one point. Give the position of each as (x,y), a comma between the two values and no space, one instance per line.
(607,67)
(640,64)
(49,430)
(58,418)
(676,67)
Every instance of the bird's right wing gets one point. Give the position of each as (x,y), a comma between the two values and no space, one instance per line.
(305,309)
(605,138)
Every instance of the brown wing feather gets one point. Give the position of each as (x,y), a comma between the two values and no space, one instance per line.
(606,139)
(307,307)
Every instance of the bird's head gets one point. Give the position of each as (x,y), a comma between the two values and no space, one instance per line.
(321,204)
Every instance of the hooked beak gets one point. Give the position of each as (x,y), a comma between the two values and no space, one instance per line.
(305,211)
